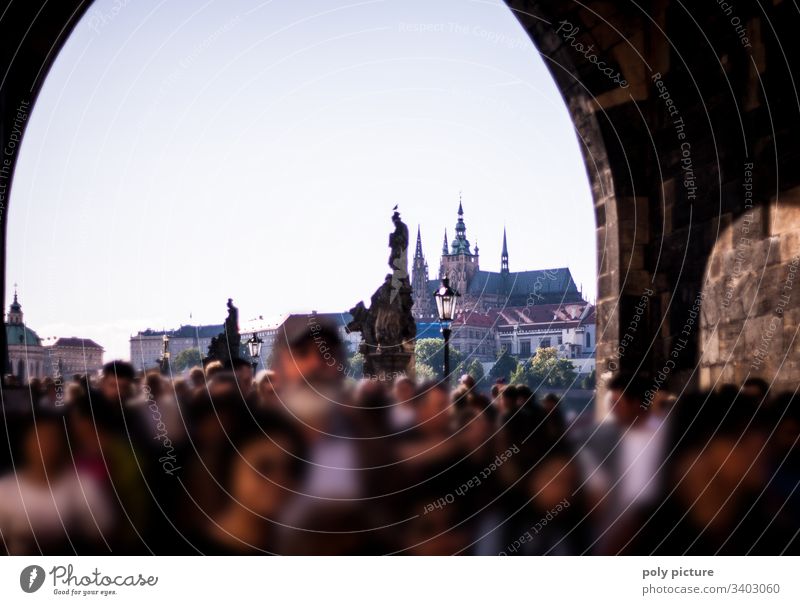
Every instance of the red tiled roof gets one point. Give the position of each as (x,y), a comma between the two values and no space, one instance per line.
(82,343)
(567,314)
(475,319)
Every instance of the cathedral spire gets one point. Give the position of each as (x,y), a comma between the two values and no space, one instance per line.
(418,251)
(460,242)
(504,255)
(445,249)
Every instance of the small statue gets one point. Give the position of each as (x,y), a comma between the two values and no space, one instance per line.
(227,345)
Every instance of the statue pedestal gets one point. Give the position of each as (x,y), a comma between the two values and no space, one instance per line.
(389,363)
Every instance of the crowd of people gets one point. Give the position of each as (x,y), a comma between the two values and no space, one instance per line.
(301,459)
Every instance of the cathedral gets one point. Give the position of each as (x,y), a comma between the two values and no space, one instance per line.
(482,291)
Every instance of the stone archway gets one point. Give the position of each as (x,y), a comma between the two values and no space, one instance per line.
(671,107)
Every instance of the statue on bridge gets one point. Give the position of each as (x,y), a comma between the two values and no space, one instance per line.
(388,328)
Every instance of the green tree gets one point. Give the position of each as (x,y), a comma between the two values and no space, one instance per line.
(188,358)
(430,351)
(545,368)
(473,367)
(504,367)
(425,372)
(355,366)
(589,381)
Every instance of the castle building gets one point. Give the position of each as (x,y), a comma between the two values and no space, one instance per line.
(147,346)
(70,356)
(482,291)
(26,357)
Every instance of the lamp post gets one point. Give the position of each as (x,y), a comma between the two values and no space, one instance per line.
(164,363)
(446,306)
(254,348)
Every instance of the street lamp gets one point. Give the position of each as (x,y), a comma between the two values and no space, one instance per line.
(165,355)
(254,347)
(446,307)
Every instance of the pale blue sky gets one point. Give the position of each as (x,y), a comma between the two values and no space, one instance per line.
(183,153)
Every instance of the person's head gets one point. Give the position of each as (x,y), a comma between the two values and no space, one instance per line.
(467,380)
(243,370)
(476,429)
(308,351)
(155,385)
(44,444)
(433,401)
(553,480)
(212,369)
(550,402)
(756,389)
(198,377)
(626,398)
(524,396)
(182,390)
(268,466)
(508,399)
(786,421)
(117,381)
(404,390)
(265,388)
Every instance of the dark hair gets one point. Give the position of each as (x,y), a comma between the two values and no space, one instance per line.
(551,397)
(759,383)
(120,369)
(237,363)
(267,424)
(525,393)
(632,385)
(303,335)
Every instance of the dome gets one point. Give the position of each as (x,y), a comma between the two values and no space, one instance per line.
(18,334)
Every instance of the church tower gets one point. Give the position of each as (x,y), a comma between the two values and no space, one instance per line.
(15,311)
(459,263)
(504,255)
(423,299)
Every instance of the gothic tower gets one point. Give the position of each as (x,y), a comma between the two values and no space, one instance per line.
(423,299)
(504,255)
(459,263)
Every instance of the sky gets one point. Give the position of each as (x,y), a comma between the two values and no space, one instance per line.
(183,153)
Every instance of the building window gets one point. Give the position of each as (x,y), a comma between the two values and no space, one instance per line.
(544,343)
(588,340)
(525,347)
(560,341)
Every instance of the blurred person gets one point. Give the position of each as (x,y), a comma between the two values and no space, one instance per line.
(508,399)
(622,458)
(212,420)
(551,403)
(756,389)
(213,368)
(116,383)
(436,533)
(243,370)
(404,393)
(103,448)
(197,377)
(715,504)
(309,362)
(265,389)
(47,506)
(263,474)
(182,392)
(554,519)
(467,381)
